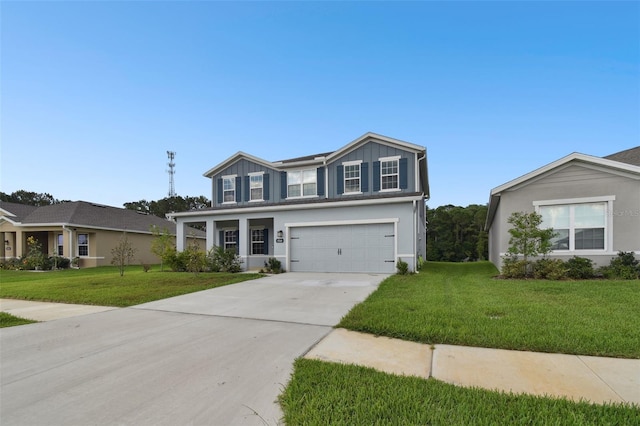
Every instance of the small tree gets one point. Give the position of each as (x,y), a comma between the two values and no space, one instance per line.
(162,244)
(527,239)
(122,253)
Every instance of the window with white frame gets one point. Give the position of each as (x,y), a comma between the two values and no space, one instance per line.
(83,244)
(352,177)
(577,226)
(255,183)
(230,239)
(60,245)
(257,241)
(229,189)
(389,179)
(302,183)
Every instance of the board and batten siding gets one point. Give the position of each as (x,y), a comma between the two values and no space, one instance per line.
(242,169)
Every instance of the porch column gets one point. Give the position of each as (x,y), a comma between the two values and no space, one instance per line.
(211,234)
(243,240)
(180,235)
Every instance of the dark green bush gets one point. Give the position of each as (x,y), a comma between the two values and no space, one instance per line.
(623,267)
(402,267)
(177,261)
(59,262)
(273,266)
(10,264)
(580,268)
(549,269)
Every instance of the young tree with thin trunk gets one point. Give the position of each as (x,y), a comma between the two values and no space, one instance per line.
(123,253)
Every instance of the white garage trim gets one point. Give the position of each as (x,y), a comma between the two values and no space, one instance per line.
(347,223)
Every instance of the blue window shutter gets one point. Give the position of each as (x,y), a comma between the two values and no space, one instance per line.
(247,188)
(221,240)
(402,164)
(237,232)
(364,177)
(265,186)
(320,180)
(283,185)
(266,241)
(238,189)
(340,179)
(376,176)
(220,191)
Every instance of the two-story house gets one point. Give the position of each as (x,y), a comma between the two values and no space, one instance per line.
(357,209)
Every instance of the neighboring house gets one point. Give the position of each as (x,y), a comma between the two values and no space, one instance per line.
(592,203)
(78,229)
(357,209)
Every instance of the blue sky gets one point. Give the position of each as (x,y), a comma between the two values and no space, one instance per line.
(93,94)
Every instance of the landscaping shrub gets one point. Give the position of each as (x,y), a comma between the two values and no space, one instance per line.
(59,262)
(221,260)
(549,269)
(514,268)
(402,267)
(579,268)
(623,267)
(177,261)
(10,264)
(273,266)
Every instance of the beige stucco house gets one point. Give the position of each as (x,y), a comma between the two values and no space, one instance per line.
(79,229)
(592,204)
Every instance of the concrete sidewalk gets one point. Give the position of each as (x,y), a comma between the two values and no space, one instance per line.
(47,311)
(594,379)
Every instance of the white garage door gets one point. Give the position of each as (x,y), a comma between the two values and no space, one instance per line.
(343,248)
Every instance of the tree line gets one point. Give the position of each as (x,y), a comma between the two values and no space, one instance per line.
(157,208)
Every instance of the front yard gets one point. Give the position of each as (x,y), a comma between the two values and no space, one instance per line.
(462,304)
(104,286)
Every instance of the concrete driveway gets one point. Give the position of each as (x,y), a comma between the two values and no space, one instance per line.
(216,357)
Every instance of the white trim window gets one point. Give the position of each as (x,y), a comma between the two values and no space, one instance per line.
(230,239)
(352,177)
(255,186)
(228,189)
(389,174)
(83,245)
(580,226)
(257,241)
(60,245)
(302,183)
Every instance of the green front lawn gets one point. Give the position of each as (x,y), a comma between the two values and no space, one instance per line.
(322,393)
(104,286)
(463,304)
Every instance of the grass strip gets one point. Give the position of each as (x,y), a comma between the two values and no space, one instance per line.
(463,304)
(322,393)
(8,320)
(105,287)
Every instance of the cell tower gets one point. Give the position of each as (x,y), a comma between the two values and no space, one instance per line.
(172,189)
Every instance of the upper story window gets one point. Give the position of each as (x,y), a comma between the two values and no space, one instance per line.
(256,186)
(577,226)
(83,244)
(229,189)
(302,183)
(352,177)
(389,175)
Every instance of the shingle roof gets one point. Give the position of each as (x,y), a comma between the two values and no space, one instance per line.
(19,211)
(82,213)
(629,156)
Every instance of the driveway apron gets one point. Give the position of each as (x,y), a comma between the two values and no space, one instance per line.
(216,357)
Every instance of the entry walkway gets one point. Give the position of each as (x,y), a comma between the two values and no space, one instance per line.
(594,379)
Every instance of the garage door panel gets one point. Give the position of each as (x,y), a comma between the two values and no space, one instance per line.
(343,248)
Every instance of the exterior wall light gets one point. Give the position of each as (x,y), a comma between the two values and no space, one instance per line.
(280,234)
